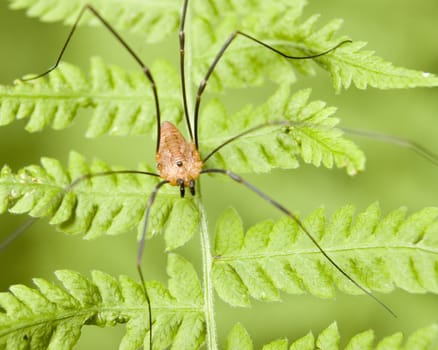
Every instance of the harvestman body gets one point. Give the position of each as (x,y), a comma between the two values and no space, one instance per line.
(179,161)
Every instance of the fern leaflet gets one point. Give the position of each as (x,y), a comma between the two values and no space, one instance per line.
(92,208)
(329,338)
(246,63)
(120,108)
(272,257)
(122,101)
(277,24)
(306,129)
(153,20)
(51,317)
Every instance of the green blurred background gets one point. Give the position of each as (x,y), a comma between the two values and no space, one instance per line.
(401,31)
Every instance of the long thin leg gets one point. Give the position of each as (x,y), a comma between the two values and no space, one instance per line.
(141,249)
(246,132)
(182,66)
(19,231)
(144,68)
(417,148)
(228,42)
(277,205)
(420,150)
(151,200)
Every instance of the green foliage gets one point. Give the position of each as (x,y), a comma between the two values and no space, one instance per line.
(52,317)
(307,129)
(281,25)
(329,339)
(91,208)
(271,257)
(276,256)
(119,97)
(122,101)
(362,68)
(154,20)
(123,104)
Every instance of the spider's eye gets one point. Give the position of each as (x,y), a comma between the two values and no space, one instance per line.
(179,163)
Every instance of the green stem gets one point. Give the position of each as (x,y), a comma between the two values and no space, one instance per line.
(210,321)
(207,278)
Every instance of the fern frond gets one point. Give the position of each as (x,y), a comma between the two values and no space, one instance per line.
(278,24)
(349,65)
(247,63)
(153,20)
(363,69)
(329,338)
(309,132)
(101,205)
(244,63)
(51,317)
(123,105)
(379,253)
(122,101)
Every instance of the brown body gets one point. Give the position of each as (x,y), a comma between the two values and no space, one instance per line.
(178,161)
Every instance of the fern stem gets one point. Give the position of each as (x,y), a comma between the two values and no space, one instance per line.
(210,321)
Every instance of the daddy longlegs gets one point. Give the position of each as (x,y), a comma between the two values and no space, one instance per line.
(180,163)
